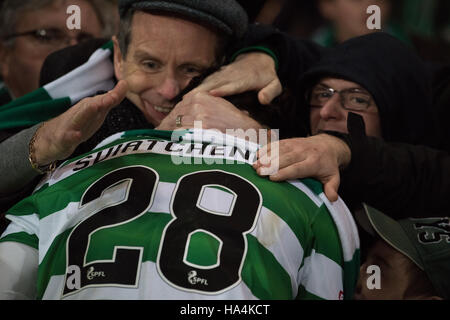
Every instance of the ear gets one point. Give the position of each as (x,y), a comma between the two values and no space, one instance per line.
(118,59)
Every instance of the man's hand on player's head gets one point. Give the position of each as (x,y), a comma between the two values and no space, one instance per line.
(253,71)
(211,112)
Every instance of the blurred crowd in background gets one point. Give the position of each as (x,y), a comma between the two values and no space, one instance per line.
(422,24)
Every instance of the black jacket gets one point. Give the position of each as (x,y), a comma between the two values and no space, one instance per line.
(400,179)
(394,175)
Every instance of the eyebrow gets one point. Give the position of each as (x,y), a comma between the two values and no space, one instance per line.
(140,54)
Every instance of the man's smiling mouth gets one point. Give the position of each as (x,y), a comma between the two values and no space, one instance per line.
(163,109)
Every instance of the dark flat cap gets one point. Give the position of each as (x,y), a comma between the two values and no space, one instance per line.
(226,15)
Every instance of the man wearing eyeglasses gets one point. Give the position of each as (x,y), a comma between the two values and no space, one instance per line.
(375,77)
(30,31)
(330,101)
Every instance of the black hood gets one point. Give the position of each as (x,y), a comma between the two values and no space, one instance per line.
(395,76)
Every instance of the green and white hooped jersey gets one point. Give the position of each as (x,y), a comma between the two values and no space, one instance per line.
(146,217)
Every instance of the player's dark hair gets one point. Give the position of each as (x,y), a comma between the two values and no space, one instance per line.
(280,114)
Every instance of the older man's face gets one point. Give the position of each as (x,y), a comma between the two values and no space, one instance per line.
(328,111)
(164,54)
(21,63)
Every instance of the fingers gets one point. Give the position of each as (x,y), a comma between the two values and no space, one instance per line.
(298,170)
(97,107)
(267,171)
(331,188)
(114,96)
(265,154)
(250,71)
(270,92)
(229,89)
(289,169)
(204,87)
(214,81)
(85,110)
(302,158)
(282,152)
(63,134)
(187,122)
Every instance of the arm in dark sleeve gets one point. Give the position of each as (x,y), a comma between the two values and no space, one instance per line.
(294,55)
(401,180)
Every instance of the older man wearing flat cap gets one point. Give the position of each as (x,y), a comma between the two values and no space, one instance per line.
(160,47)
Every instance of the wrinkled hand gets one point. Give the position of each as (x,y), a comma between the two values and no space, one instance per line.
(58,138)
(254,71)
(213,112)
(320,156)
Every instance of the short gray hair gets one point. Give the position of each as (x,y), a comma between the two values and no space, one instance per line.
(124,32)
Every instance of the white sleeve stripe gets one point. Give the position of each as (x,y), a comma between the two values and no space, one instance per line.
(28,224)
(276,236)
(322,276)
(346,226)
(307,191)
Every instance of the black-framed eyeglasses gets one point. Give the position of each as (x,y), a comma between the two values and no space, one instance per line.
(51,36)
(353,99)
